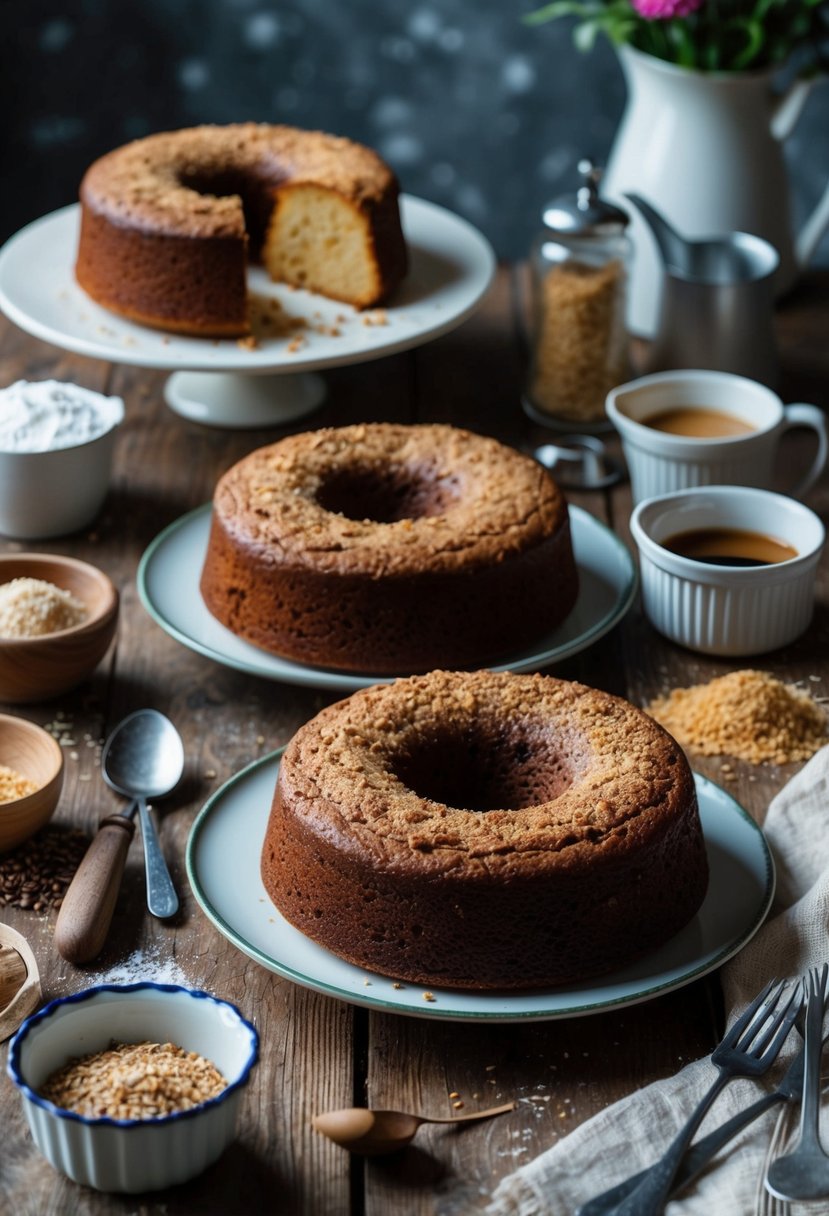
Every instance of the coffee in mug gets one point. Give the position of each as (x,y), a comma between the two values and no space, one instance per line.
(730,547)
(698,422)
(685,429)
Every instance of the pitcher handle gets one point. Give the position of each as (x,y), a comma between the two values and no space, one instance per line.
(787,109)
(809,236)
(789,105)
(814,418)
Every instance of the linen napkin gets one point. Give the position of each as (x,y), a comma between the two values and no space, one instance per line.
(632,1133)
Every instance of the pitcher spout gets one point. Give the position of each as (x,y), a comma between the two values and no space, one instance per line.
(673,248)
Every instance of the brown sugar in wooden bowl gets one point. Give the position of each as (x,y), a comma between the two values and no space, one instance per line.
(37,668)
(27,749)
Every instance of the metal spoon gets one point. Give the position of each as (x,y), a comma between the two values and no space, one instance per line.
(143,757)
(580,462)
(373,1132)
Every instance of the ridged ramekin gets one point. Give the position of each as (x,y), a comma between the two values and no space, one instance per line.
(133,1155)
(727,610)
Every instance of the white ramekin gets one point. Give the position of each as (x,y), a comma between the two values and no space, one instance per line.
(133,1155)
(727,610)
(54,493)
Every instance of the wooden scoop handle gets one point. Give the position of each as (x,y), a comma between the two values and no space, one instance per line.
(86,912)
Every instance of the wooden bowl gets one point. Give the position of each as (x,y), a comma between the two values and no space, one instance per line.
(35,669)
(33,753)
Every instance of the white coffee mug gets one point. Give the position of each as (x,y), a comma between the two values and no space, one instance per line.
(660,463)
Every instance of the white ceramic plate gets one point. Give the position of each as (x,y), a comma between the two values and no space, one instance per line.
(223,867)
(168,583)
(452,266)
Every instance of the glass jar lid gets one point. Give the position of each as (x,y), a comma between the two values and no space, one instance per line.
(585,214)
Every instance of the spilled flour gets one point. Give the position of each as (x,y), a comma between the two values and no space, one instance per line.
(150,963)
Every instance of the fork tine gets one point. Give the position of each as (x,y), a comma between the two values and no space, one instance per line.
(747,1015)
(780,1026)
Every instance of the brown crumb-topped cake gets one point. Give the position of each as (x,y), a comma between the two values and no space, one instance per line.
(485,830)
(389,549)
(169,223)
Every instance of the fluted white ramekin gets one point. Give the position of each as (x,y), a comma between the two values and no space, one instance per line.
(727,610)
(133,1155)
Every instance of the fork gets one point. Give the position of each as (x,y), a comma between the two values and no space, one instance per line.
(804,1172)
(788,1090)
(748,1049)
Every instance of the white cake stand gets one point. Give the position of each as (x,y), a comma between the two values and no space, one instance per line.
(226,383)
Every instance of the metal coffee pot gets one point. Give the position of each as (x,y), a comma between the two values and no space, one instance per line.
(717,307)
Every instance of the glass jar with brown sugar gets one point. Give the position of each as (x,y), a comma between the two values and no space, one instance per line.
(578,338)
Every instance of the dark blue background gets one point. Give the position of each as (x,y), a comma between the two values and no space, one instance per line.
(473,109)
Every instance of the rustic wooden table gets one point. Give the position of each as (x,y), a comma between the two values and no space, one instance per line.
(318,1053)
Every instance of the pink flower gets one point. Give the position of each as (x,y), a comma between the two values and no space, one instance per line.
(664,10)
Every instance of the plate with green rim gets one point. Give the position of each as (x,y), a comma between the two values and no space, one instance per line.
(223,853)
(170,570)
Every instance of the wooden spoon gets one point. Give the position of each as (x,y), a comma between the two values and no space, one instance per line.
(372,1132)
(19,981)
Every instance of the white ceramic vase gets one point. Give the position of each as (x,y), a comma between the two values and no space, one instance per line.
(706,149)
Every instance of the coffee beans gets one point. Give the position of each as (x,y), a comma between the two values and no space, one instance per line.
(35,875)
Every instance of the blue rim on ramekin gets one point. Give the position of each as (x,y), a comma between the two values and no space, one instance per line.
(13,1063)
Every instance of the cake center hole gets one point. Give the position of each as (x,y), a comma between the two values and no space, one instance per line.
(482,769)
(386,494)
(255,192)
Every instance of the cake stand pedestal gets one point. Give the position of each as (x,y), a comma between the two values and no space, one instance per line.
(230,399)
(273,379)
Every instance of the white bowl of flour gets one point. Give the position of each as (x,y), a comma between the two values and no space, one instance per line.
(56,445)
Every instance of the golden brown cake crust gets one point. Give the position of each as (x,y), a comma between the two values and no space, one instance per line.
(168,222)
(144,183)
(485,830)
(389,548)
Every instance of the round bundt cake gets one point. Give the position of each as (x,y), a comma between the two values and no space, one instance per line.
(169,222)
(389,549)
(485,830)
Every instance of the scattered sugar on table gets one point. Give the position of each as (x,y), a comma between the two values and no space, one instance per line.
(747,714)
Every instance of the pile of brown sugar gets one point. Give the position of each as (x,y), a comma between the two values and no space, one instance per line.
(747,714)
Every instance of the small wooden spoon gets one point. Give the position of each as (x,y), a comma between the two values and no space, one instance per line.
(19,981)
(372,1132)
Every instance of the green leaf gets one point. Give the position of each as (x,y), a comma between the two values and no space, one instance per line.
(559,8)
(622,31)
(683,43)
(710,57)
(754,40)
(585,34)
